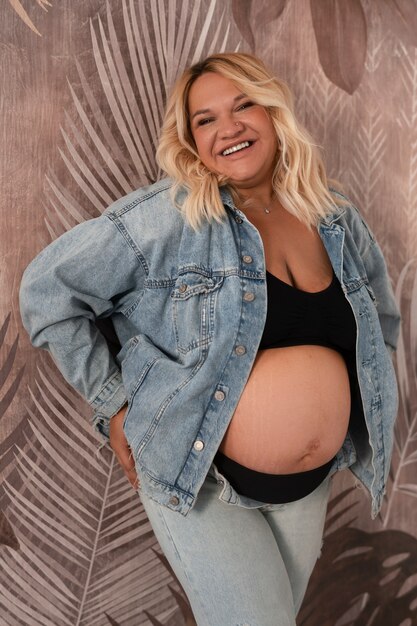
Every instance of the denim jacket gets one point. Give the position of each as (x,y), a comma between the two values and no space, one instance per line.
(178,300)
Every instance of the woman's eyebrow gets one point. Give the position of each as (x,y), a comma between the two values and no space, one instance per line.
(204,111)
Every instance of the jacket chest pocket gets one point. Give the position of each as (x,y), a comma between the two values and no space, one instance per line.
(193,307)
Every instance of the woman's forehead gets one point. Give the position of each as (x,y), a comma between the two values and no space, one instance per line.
(211,89)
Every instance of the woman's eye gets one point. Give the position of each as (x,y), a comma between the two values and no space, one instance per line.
(204,121)
(245,105)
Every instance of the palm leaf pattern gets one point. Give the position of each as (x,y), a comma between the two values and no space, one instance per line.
(340,31)
(85,541)
(385,593)
(22,13)
(107,160)
(403,469)
(10,381)
(77,545)
(6,368)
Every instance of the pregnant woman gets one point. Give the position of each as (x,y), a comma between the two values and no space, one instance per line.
(256,321)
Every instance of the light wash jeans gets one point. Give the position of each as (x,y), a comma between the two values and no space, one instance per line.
(242,562)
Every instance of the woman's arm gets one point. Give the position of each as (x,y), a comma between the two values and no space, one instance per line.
(89,272)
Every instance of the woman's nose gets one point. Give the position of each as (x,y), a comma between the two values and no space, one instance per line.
(231,128)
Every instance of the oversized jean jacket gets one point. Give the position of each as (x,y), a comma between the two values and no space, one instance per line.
(178,300)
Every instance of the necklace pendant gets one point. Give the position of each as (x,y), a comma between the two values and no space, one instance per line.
(267,210)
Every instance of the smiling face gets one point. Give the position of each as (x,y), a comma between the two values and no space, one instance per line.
(234,136)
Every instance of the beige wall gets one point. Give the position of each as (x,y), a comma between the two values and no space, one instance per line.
(75,545)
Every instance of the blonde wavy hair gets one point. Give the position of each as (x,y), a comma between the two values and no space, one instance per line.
(299,180)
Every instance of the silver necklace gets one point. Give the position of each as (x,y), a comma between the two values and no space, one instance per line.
(266,209)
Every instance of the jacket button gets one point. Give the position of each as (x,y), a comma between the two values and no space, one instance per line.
(238,219)
(198,445)
(249,296)
(182,288)
(247,258)
(240,350)
(174,500)
(219,395)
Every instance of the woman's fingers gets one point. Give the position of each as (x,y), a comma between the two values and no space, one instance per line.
(121,448)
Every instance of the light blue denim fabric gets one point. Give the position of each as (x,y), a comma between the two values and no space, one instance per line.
(242,562)
(190,336)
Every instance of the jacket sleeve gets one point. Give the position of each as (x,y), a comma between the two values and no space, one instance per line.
(88,273)
(379,280)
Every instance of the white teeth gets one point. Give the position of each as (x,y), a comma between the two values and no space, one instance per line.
(240,146)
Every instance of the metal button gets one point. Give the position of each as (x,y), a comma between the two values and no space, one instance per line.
(238,219)
(198,445)
(247,258)
(240,350)
(174,500)
(249,296)
(182,288)
(219,395)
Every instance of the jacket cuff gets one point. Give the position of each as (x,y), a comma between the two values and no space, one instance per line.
(109,401)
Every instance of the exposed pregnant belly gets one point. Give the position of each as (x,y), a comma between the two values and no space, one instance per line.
(293,413)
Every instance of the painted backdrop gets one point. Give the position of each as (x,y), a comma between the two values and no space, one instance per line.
(83,87)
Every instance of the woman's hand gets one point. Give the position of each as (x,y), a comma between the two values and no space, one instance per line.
(121,448)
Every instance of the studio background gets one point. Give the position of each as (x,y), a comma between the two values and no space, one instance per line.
(83,87)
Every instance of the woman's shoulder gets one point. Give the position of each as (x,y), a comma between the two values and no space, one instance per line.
(346,211)
(155,194)
(348,216)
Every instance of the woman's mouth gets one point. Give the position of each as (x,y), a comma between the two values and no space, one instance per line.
(237,148)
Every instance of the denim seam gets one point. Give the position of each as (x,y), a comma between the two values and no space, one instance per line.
(102,390)
(117,222)
(142,198)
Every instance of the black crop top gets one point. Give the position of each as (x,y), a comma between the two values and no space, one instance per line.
(297,317)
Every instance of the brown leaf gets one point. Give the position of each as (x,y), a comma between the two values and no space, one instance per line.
(380,566)
(152,619)
(184,606)
(3,329)
(6,368)
(241,14)
(165,562)
(402,19)
(341,35)
(24,16)
(246,13)
(7,536)
(268,12)
(11,392)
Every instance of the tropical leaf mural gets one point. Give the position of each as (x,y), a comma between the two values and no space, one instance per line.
(22,13)
(249,16)
(340,30)
(403,469)
(386,595)
(80,544)
(402,17)
(106,161)
(70,512)
(365,171)
(75,543)
(6,375)
(406,119)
